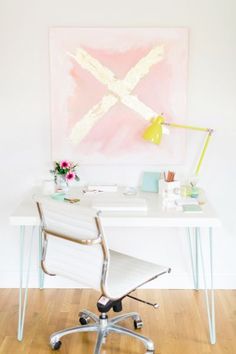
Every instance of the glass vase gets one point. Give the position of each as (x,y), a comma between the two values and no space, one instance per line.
(62,184)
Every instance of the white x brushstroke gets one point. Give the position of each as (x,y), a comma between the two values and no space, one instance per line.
(120,89)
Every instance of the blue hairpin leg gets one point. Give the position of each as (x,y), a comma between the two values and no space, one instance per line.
(209,293)
(194,257)
(23,294)
(41,273)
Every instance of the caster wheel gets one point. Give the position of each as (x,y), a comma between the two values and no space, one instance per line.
(56,345)
(84,319)
(138,324)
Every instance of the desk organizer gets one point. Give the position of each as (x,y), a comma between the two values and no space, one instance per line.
(170,193)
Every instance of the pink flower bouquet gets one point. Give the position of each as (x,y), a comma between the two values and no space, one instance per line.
(65,169)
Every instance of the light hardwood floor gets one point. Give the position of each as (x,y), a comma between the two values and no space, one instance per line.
(178,327)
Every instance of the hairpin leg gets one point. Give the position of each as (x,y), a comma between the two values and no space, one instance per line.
(194,256)
(209,293)
(40,250)
(23,294)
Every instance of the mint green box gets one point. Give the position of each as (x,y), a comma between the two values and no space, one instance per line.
(150,182)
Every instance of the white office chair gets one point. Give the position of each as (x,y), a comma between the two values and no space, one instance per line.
(74,246)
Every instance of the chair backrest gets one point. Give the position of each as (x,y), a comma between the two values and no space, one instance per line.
(74,245)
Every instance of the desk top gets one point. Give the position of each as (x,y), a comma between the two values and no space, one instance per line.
(155,216)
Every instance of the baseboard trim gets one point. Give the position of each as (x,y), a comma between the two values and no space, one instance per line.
(170,281)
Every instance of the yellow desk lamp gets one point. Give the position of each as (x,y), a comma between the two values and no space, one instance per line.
(153,133)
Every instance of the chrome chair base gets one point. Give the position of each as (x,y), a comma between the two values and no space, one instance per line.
(103,326)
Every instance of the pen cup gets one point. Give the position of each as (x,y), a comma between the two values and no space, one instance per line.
(171,187)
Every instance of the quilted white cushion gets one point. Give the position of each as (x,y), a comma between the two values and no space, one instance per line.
(84,263)
(127,273)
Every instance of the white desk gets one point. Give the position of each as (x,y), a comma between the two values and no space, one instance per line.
(26,216)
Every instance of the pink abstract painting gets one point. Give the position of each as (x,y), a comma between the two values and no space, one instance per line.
(107,84)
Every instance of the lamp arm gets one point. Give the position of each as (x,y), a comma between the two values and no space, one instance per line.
(209,130)
(187,127)
(203,152)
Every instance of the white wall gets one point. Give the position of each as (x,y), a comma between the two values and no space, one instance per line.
(25,121)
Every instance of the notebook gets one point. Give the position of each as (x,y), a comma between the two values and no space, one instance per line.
(103,187)
(187,201)
(122,204)
(192,208)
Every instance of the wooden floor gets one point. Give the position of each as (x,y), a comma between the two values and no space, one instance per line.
(178,327)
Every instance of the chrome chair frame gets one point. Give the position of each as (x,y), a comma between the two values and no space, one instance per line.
(102,325)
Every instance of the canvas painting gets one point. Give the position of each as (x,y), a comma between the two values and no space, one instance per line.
(106,86)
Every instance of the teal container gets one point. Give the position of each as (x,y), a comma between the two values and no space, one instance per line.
(150,182)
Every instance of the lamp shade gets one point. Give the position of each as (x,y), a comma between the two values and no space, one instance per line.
(153,133)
